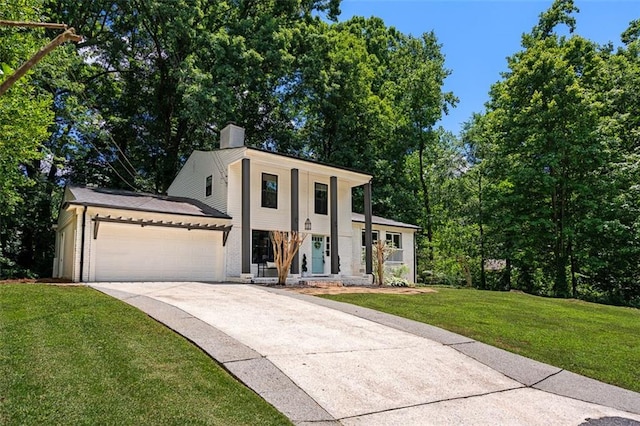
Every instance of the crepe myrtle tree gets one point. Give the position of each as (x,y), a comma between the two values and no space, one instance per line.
(285,247)
(381,252)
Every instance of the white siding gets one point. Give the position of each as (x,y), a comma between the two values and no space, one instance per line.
(191,179)
(408,251)
(234,209)
(65,240)
(227,197)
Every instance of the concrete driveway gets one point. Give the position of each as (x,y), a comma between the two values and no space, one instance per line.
(324,362)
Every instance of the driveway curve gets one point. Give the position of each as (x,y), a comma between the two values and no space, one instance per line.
(324,362)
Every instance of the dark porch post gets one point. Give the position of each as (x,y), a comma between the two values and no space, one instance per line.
(246,216)
(368,236)
(333,191)
(295,215)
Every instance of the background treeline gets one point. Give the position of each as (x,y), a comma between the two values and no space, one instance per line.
(540,192)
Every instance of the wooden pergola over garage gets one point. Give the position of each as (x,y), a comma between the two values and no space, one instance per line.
(114,235)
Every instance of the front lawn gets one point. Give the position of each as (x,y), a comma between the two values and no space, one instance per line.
(598,341)
(72,355)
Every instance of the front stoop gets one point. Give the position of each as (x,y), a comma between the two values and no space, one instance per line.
(297,280)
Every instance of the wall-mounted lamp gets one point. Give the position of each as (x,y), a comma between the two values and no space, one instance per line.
(307,225)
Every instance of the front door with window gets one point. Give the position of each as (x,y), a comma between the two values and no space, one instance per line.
(317,254)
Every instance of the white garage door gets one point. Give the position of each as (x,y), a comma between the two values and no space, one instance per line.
(126,252)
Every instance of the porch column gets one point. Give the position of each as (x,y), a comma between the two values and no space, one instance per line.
(368,236)
(333,191)
(295,215)
(246,216)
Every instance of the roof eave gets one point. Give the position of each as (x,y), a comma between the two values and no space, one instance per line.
(110,206)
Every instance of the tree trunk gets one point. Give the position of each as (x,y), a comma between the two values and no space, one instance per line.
(285,247)
(483,275)
(426,200)
(574,279)
(507,275)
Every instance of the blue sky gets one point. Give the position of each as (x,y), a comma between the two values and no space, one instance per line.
(478,35)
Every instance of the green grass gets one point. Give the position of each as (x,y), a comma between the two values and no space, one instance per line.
(71,355)
(598,341)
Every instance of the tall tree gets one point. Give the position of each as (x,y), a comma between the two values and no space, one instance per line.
(168,76)
(25,116)
(420,67)
(24,110)
(546,118)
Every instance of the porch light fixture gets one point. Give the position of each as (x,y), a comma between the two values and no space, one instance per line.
(307,225)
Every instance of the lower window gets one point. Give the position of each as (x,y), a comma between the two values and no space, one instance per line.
(261,247)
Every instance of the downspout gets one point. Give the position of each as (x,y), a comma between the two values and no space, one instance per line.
(84,225)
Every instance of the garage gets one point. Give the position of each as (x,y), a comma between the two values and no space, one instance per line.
(115,235)
(151,253)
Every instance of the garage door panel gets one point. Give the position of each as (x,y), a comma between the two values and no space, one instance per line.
(126,252)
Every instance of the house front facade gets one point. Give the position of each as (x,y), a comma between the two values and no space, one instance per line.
(234,197)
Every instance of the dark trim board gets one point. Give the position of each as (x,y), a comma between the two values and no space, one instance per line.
(170,224)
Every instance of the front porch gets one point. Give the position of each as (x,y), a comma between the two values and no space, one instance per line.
(315,281)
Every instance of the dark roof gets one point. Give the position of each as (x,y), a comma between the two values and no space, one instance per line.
(358,217)
(139,201)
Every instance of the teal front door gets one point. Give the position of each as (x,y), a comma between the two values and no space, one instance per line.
(317,254)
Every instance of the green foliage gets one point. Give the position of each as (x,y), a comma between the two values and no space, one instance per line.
(549,156)
(395,276)
(594,340)
(73,355)
(24,110)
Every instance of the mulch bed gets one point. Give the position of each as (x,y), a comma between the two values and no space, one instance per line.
(54,281)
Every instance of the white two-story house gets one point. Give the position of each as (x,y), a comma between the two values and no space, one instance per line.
(214,223)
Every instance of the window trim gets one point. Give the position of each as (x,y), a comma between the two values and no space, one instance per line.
(394,234)
(398,254)
(265,191)
(316,200)
(208,186)
(258,236)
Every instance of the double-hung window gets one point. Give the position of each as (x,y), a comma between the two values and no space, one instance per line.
(321,199)
(208,186)
(395,240)
(269,191)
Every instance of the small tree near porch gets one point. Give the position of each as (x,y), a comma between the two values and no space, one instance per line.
(381,252)
(285,247)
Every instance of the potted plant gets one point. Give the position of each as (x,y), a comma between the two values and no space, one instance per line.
(304,265)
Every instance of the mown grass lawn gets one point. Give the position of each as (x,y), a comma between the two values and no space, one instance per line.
(598,341)
(71,355)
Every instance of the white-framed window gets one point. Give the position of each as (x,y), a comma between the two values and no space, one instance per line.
(395,239)
(208,186)
(374,238)
(327,246)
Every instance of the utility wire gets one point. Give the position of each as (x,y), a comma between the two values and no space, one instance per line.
(133,172)
(112,168)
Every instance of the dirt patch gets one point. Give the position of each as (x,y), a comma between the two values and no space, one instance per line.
(358,289)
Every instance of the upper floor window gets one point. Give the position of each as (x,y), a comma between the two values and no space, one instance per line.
(321,201)
(269,191)
(208,186)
